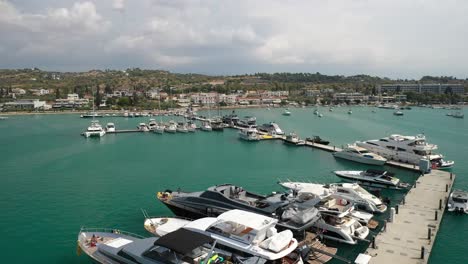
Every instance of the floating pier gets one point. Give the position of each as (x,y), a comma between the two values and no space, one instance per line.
(124,131)
(410,236)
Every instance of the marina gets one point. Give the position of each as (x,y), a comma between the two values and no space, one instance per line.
(263,181)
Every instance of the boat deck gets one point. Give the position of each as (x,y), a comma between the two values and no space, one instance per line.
(415,226)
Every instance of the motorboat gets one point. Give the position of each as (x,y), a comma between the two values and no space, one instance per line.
(206,126)
(361,155)
(191,126)
(221,198)
(217,124)
(231,119)
(350,111)
(111,246)
(387,106)
(293,139)
(3,117)
(407,149)
(318,140)
(398,113)
(143,127)
(94,130)
(91,115)
(271,128)
(458,202)
(110,127)
(249,134)
(330,109)
(247,121)
(182,127)
(316,112)
(286,112)
(171,127)
(152,124)
(247,232)
(353,192)
(159,129)
(458,115)
(374,178)
(320,115)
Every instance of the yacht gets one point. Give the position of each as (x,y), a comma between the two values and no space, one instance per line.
(152,124)
(374,178)
(353,192)
(3,117)
(408,149)
(110,127)
(250,233)
(182,128)
(361,155)
(271,128)
(247,121)
(111,246)
(458,202)
(206,126)
(143,127)
(231,119)
(221,198)
(387,106)
(458,115)
(318,140)
(249,134)
(286,112)
(398,113)
(94,130)
(191,126)
(171,127)
(293,139)
(217,124)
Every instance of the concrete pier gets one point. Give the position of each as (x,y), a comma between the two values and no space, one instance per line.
(410,237)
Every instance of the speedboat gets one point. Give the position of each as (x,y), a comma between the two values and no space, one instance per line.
(318,140)
(95,130)
(271,128)
(374,178)
(218,199)
(286,112)
(143,127)
(408,149)
(110,127)
(191,126)
(361,155)
(361,198)
(249,134)
(171,127)
(398,113)
(458,202)
(250,233)
(182,128)
(293,139)
(152,124)
(206,126)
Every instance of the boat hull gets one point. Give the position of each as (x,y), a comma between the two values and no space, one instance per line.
(363,160)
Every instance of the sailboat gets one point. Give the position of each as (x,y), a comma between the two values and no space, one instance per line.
(159,128)
(95,130)
(206,124)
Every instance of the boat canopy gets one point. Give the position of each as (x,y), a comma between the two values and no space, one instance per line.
(183,241)
(252,220)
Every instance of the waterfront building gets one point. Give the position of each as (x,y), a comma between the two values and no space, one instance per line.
(352,97)
(72,101)
(205,98)
(435,88)
(25,104)
(311,92)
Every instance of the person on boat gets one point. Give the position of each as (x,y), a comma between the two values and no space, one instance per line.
(93,240)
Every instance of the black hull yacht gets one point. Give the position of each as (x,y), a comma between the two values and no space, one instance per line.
(292,215)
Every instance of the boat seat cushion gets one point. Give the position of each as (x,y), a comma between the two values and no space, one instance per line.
(277,242)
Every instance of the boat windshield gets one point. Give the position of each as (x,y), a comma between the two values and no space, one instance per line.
(459,200)
(422,152)
(363,151)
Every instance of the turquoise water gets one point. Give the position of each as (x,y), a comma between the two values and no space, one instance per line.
(53,181)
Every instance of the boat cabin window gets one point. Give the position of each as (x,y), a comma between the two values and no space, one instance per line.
(384,140)
(371,143)
(127,256)
(342,191)
(401,149)
(421,152)
(459,200)
(390,147)
(363,151)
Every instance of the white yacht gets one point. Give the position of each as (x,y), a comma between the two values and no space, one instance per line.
(159,129)
(353,192)
(287,112)
(250,233)
(458,202)
(271,128)
(206,126)
(294,139)
(398,113)
(171,127)
(191,126)
(374,178)
(182,128)
(408,149)
(361,155)
(110,127)
(143,127)
(249,134)
(94,130)
(152,124)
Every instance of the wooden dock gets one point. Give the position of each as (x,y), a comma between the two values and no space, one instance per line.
(410,237)
(124,131)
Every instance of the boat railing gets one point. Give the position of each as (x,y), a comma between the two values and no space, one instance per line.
(147,217)
(109,230)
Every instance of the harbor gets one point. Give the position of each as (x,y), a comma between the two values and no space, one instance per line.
(278,161)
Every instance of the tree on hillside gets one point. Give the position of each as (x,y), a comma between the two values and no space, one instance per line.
(97,97)
(57,93)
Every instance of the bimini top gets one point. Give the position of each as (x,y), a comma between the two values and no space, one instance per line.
(252,220)
(183,241)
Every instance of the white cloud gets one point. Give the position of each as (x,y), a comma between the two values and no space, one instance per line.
(389,37)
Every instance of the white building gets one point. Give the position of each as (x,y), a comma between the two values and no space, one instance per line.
(72,101)
(25,104)
(341,97)
(436,88)
(205,98)
(18,91)
(40,92)
(229,99)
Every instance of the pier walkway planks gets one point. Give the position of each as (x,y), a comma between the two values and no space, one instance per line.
(402,240)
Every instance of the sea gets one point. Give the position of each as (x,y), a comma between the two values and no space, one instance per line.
(54,181)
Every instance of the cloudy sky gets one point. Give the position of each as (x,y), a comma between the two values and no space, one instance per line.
(394,38)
